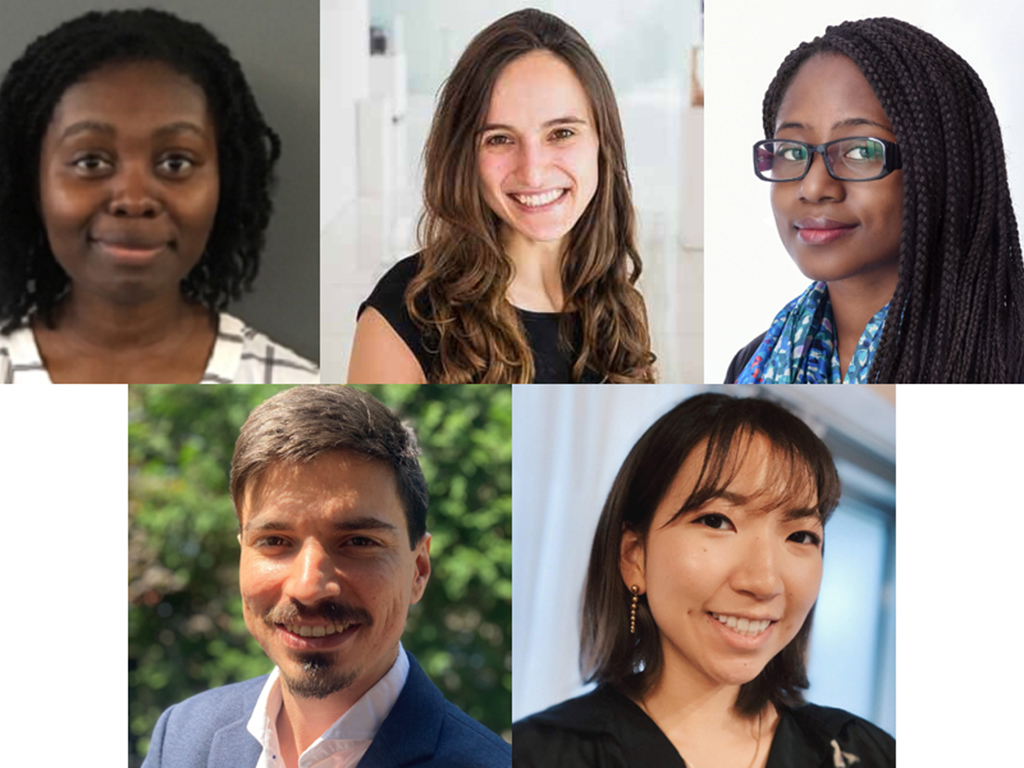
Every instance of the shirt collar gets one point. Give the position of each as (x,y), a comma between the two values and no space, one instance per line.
(360,723)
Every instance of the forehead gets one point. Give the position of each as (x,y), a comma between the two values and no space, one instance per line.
(328,489)
(134,90)
(534,88)
(827,89)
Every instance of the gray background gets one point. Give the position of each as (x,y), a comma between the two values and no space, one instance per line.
(278,46)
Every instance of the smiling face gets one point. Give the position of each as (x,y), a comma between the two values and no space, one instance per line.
(128,180)
(327,574)
(837,230)
(729,584)
(537,153)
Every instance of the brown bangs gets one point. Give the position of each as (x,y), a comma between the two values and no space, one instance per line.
(788,480)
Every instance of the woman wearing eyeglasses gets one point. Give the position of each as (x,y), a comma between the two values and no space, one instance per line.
(888,187)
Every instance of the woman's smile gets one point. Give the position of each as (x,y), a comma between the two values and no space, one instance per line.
(129,181)
(833,229)
(537,157)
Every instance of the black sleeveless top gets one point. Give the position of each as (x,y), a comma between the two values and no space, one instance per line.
(552,361)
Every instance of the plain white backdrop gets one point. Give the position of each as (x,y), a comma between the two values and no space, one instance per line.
(748,275)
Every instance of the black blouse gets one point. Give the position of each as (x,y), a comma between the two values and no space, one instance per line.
(605,729)
(552,361)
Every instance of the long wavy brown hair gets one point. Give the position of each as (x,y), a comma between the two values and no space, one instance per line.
(458,297)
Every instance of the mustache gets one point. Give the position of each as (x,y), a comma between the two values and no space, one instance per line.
(332,612)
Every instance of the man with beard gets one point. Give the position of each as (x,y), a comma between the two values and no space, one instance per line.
(331,505)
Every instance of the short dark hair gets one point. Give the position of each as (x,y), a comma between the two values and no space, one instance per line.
(957,314)
(302,423)
(632,663)
(31,280)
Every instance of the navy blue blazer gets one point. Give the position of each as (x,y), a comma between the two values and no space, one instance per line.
(423,729)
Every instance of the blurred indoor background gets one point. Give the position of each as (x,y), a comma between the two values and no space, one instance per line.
(375,115)
(569,443)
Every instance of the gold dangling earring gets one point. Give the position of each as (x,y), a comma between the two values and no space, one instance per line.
(632,609)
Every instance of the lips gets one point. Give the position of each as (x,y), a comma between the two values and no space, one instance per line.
(821,231)
(129,246)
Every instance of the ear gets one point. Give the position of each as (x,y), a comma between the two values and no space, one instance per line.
(632,560)
(421,573)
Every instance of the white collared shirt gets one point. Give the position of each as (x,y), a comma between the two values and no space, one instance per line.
(346,741)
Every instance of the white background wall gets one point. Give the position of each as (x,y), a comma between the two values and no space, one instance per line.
(749,276)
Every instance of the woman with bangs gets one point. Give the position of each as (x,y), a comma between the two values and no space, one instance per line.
(889,190)
(704,572)
(528,264)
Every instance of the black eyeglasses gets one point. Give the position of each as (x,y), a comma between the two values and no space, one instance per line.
(860,158)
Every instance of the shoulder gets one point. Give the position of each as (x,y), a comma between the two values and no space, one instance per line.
(389,293)
(243,355)
(189,733)
(219,706)
(20,361)
(423,728)
(832,730)
(577,732)
(464,738)
(740,360)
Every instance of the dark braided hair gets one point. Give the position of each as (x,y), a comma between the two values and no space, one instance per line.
(957,314)
(247,148)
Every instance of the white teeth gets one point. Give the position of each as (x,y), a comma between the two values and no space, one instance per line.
(534,201)
(747,627)
(317,631)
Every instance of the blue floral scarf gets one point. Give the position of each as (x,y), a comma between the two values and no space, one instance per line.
(800,347)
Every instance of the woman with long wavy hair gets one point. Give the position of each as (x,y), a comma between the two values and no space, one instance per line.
(529,263)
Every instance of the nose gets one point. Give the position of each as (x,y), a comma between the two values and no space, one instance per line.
(533,163)
(133,192)
(758,574)
(817,185)
(313,576)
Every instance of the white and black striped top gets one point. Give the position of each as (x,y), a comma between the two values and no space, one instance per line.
(240,356)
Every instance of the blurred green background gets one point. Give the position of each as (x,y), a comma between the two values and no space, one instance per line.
(185,627)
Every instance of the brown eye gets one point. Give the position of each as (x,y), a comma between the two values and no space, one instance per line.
(805,537)
(176,165)
(92,165)
(715,521)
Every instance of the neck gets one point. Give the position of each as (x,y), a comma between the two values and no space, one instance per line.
(699,717)
(685,699)
(854,303)
(93,322)
(537,281)
(302,721)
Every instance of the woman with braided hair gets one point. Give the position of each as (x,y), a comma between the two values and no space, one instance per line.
(135,170)
(889,190)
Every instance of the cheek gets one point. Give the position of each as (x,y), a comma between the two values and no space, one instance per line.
(493,169)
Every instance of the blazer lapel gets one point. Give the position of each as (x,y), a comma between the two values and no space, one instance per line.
(411,731)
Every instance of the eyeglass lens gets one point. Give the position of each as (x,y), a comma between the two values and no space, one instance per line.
(848,159)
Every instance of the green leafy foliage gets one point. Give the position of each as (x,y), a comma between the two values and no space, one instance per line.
(186,632)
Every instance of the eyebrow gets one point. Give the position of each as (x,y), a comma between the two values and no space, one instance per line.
(849,122)
(93,126)
(567,120)
(362,523)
